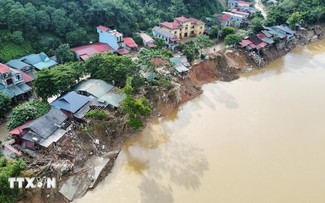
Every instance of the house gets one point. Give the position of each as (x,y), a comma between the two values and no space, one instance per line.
(184,27)
(147,40)
(244,5)
(41,132)
(130,44)
(232,3)
(13,83)
(180,63)
(111,37)
(232,19)
(86,51)
(33,61)
(240,5)
(224,19)
(101,90)
(241,13)
(73,105)
(253,43)
(171,40)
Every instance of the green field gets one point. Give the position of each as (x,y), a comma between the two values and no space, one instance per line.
(10,51)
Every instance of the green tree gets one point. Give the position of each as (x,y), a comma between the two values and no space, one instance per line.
(27,111)
(111,68)
(138,39)
(55,81)
(17,37)
(256,24)
(136,109)
(10,169)
(97,114)
(5,104)
(232,39)
(227,30)
(64,54)
(160,43)
(77,37)
(213,33)
(294,18)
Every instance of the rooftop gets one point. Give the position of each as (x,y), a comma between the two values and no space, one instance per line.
(4,68)
(87,51)
(146,37)
(46,125)
(95,87)
(196,21)
(225,17)
(103,28)
(171,25)
(130,42)
(71,102)
(182,19)
(39,61)
(163,32)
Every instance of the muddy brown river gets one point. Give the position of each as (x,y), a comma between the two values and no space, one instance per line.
(259,139)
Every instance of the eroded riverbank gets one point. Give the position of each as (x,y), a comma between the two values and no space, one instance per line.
(256,139)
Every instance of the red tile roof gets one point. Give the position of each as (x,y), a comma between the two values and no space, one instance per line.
(26,77)
(174,39)
(225,17)
(182,19)
(19,129)
(195,21)
(151,45)
(128,41)
(122,51)
(158,61)
(4,68)
(235,11)
(87,51)
(261,35)
(245,42)
(103,28)
(244,3)
(145,37)
(171,25)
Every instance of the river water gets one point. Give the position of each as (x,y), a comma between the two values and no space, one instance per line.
(259,139)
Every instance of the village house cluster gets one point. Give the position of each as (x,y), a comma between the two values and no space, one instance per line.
(43,133)
(237,14)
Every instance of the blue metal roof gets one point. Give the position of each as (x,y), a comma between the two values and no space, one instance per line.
(39,61)
(71,102)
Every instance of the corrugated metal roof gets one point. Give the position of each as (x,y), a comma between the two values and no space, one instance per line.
(71,102)
(47,124)
(94,87)
(112,98)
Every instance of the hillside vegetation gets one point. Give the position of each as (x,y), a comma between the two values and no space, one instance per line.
(306,12)
(42,25)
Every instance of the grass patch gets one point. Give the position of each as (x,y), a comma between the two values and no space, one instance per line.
(10,51)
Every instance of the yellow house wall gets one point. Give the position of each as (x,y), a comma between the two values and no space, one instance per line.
(199,29)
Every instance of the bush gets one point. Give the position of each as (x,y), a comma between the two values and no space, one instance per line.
(97,114)
(227,31)
(5,104)
(27,111)
(232,39)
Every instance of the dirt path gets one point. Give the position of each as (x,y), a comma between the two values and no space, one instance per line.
(259,6)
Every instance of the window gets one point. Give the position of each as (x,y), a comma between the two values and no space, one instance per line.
(175,32)
(10,81)
(200,33)
(193,27)
(18,77)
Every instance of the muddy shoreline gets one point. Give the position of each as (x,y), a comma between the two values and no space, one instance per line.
(225,65)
